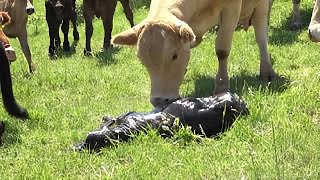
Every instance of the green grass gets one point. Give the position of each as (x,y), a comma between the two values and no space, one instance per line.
(67,98)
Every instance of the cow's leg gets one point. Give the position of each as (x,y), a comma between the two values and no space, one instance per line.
(65,30)
(107,24)
(227,25)
(296,19)
(314,26)
(52,25)
(88,14)
(74,22)
(260,24)
(127,11)
(23,39)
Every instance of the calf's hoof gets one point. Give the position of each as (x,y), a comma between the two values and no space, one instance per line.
(66,46)
(52,52)
(76,36)
(295,26)
(267,77)
(87,52)
(107,46)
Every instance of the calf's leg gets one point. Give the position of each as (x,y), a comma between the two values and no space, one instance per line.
(107,23)
(228,22)
(296,19)
(74,23)
(88,14)
(260,24)
(65,30)
(127,11)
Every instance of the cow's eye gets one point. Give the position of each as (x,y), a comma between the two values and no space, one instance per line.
(175,56)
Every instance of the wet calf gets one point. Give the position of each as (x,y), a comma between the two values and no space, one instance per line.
(104,10)
(60,12)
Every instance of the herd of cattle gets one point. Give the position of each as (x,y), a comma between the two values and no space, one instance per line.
(163,39)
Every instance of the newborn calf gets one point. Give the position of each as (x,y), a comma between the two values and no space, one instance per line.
(207,116)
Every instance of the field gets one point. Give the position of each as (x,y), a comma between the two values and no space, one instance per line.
(67,97)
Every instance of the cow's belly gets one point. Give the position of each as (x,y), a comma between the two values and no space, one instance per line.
(247,9)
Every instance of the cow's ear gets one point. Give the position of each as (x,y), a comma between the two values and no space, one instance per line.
(129,36)
(186,33)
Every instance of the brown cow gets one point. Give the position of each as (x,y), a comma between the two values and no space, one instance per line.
(105,10)
(19,11)
(172,28)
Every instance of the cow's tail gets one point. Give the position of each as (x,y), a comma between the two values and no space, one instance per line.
(10,104)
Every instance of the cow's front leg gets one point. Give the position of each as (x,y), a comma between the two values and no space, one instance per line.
(314,26)
(228,22)
(23,39)
(127,11)
(296,19)
(107,24)
(88,18)
(260,24)
(65,30)
(51,21)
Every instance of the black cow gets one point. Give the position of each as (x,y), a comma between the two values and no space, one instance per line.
(104,9)
(57,12)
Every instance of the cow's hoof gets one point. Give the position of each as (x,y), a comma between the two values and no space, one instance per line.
(107,46)
(267,77)
(66,46)
(87,52)
(76,36)
(32,68)
(295,26)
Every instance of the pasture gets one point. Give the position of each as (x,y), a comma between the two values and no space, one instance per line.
(67,97)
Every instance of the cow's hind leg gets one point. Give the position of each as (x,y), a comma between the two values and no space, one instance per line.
(107,24)
(227,24)
(65,30)
(314,26)
(260,24)
(296,19)
(74,23)
(127,11)
(23,39)
(53,29)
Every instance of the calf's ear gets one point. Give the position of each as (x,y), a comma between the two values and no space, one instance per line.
(128,37)
(186,33)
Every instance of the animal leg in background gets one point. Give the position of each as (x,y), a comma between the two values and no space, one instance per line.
(10,104)
(65,30)
(296,19)
(314,26)
(127,11)
(227,25)
(108,24)
(88,14)
(74,22)
(23,39)
(260,24)
(53,24)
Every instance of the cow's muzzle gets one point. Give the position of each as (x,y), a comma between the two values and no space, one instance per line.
(30,10)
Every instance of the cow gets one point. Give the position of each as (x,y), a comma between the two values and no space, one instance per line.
(57,12)
(18,11)
(10,104)
(105,10)
(172,28)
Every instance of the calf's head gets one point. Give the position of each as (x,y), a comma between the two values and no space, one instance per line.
(29,7)
(164,49)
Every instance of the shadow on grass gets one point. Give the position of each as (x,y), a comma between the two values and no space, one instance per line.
(106,56)
(65,54)
(204,85)
(11,135)
(285,34)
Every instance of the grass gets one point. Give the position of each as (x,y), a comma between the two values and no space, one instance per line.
(67,98)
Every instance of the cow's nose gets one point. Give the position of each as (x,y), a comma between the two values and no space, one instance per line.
(161,102)
(30,10)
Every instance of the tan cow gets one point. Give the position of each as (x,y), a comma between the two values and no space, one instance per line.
(19,11)
(172,28)
(314,26)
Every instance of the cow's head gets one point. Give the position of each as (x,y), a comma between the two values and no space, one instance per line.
(29,7)
(164,49)
(57,6)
